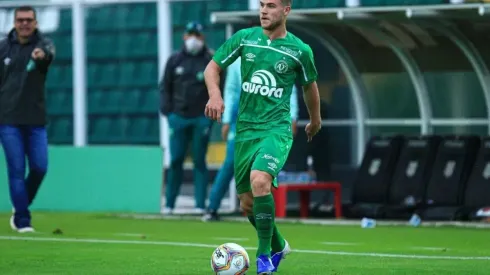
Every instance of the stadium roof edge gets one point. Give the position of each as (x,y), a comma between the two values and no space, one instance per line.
(366,12)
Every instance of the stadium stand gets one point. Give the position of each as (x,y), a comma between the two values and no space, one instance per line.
(122,72)
(372,182)
(413,171)
(452,168)
(477,191)
(122,58)
(440,178)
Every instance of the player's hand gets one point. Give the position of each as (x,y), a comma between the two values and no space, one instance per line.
(215,108)
(312,129)
(224,131)
(38,54)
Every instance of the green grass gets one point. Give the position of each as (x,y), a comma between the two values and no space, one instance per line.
(172,247)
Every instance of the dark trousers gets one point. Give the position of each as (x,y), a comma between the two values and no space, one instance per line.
(19,143)
(183,131)
(225,175)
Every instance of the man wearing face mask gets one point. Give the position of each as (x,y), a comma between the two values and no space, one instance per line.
(183,100)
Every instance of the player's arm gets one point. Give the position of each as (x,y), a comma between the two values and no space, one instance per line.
(310,92)
(224,57)
(212,77)
(312,100)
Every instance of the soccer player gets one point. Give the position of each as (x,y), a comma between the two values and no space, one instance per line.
(272,60)
(232,90)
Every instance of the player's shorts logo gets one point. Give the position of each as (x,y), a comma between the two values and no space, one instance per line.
(263,82)
(267,156)
(281,67)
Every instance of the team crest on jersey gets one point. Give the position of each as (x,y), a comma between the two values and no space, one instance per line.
(281,67)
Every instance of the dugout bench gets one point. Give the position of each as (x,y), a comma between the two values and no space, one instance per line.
(304,189)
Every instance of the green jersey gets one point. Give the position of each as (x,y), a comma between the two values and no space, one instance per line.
(269,71)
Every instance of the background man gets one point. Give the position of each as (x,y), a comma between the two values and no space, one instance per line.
(27,55)
(183,99)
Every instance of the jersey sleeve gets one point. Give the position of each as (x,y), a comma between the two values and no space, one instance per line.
(308,70)
(230,50)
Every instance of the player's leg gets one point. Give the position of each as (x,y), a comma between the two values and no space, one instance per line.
(221,183)
(37,155)
(200,141)
(268,163)
(244,152)
(246,204)
(278,242)
(263,213)
(12,140)
(179,140)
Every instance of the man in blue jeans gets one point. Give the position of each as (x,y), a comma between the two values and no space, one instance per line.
(233,88)
(27,56)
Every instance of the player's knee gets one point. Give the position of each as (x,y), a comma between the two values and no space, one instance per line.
(261,183)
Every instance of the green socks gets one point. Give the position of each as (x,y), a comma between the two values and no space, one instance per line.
(264,210)
(278,242)
(251,219)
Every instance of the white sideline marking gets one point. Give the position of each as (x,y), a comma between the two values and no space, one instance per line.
(231,239)
(430,248)
(338,243)
(365,254)
(129,234)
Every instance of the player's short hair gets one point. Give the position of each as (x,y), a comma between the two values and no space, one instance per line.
(287,2)
(25,8)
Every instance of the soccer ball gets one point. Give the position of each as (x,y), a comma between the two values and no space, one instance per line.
(230,259)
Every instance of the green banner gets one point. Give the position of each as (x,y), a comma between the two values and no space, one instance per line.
(105,179)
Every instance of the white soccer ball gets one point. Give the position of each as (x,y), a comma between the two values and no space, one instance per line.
(230,259)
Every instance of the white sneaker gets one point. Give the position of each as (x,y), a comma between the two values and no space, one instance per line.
(26,230)
(12,223)
(167,211)
(199,211)
(20,230)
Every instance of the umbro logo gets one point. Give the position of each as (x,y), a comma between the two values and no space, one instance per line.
(250,57)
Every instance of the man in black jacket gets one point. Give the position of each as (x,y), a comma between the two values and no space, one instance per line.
(25,58)
(183,100)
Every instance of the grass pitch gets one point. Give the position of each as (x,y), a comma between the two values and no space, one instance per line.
(104,244)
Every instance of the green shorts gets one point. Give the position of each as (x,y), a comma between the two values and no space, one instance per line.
(267,154)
